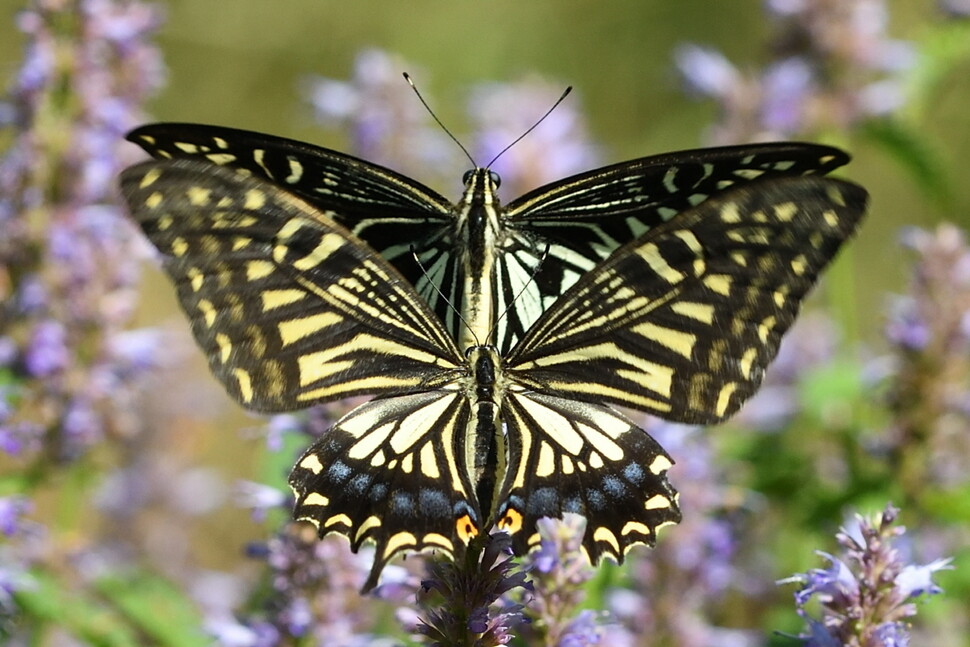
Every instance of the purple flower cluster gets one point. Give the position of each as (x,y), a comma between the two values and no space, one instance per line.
(69,286)
(559,570)
(866,594)
(834,66)
(676,587)
(955,8)
(387,123)
(929,328)
(312,595)
(462,600)
(69,260)
(390,126)
(558,147)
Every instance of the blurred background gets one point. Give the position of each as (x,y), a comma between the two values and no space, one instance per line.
(868,402)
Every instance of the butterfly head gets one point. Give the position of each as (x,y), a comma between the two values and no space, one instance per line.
(478,175)
(481,188)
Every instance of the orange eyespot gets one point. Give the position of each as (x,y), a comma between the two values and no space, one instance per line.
(466,528)
(511,522)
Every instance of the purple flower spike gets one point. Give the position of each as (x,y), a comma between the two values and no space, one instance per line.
(834,66)
(388,123)
(47,353)
(71,255)
(460,599)
(955,8)
(261,498)
(706,72)
(867,593)
(929,329)
(12,508)
(558,147)
(559,570)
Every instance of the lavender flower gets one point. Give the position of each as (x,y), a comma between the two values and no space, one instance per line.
(834,66)
(559,569)
(558,147)
(312,594)
(388,124)
(457,596)
(12,509)
(677,585)
(73,279)
(261,498)
(391,126)
(955,8)
(930,386)
(866,595)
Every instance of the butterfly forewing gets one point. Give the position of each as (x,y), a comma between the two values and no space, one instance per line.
(544,241)
(358,193)
(567,227)
(682,321)
(289,307)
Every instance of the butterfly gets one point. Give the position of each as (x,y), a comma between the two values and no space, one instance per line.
(489,270)
(293,309)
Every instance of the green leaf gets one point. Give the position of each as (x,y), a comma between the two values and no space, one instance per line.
(156,607)
(951,505)
(135,611)
(48,603)
(942,52)
(836,385)
(910,149)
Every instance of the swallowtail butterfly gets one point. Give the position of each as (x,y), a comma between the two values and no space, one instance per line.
(292,308)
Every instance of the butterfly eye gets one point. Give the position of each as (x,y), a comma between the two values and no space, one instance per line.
(495,178)
(467,177)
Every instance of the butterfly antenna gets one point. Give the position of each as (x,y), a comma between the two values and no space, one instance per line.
(533,127)
(535,270)
(431,112)
(441,294)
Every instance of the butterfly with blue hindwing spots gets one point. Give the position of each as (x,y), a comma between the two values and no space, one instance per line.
(294,309)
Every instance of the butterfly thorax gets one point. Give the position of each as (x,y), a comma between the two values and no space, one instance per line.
(477,223)
(487,451)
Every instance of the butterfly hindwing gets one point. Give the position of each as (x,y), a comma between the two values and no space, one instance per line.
(393,471)
(682,321)
(288,306)
(580,457)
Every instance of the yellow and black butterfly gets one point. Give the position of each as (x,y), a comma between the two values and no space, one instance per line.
(293,309)
(489,270)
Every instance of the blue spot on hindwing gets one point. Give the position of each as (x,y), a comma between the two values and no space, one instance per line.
(338,471)
(433,503)
(614,487)
(596,499)
(402,503)
(543,501)
(633,473)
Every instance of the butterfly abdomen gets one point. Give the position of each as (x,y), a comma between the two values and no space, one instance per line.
(488,448)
